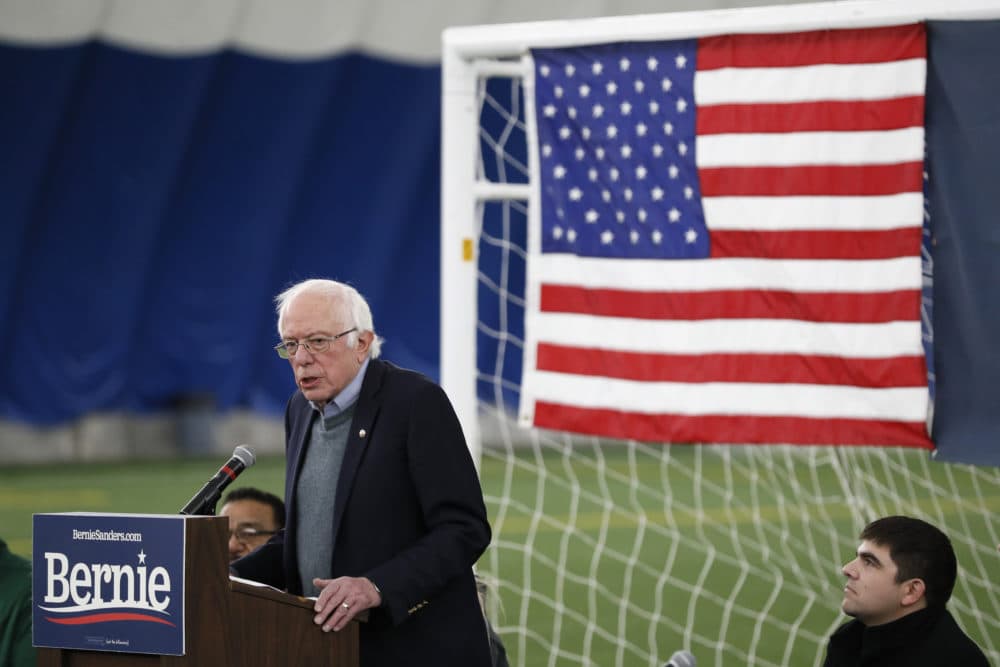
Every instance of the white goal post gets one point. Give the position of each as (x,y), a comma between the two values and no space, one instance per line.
(610,552)
(471,54)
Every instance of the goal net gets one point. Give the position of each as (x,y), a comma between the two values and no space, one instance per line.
(619,551)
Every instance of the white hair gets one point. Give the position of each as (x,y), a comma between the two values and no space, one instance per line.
(344,301)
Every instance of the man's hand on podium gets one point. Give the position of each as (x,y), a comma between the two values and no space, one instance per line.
(343,598)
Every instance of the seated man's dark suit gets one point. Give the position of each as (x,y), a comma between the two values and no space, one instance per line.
(926,638)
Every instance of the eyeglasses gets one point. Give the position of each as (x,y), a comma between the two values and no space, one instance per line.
(244,535)
(286,349)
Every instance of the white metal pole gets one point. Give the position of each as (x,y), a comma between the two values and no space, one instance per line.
(459,134)
(514,39)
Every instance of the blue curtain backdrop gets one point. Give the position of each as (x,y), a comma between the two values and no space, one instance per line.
(152,205)
(963,147)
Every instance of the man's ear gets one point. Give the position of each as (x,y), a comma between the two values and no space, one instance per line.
(364,341)
(913,592)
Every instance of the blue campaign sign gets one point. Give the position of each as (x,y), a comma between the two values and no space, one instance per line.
(108,582)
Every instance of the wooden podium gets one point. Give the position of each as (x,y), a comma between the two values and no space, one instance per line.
(230,623)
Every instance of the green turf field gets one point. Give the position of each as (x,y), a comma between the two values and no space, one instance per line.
(618,556)
(156,487)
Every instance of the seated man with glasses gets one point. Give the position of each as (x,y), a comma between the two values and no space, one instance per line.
(254,516)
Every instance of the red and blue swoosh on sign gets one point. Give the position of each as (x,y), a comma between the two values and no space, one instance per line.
(107,617)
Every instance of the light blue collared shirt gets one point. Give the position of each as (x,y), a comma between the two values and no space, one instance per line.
(347,397)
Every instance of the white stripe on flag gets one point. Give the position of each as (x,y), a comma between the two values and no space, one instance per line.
(811,148)
(693,275)
(877,340)
(814,213)
(732,398)
(810,84)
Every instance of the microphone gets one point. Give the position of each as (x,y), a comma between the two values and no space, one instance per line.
(681,659)
(203,503)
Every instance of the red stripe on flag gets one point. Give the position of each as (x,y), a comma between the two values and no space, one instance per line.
(730,428)
(861,307)
(879,179)
(855,46)
(801,244)
(755,368)
(829,116)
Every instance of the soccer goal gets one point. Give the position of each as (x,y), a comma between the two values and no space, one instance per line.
(617,549)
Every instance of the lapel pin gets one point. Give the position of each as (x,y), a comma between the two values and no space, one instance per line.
(362,433)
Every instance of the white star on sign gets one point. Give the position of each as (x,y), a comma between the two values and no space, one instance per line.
(626,151)
(550,110)
(651,63)
(597,68)
(680,61)
(625,108)
(607,236)
(682,105)
(584,90)
(557,232)
(639,86)
(690,235)
(142,557)
(591,216)
(666,84)
(654,107)
(611,87)
(657,193)
(570,69)
(571,235)
(641,214)
(673,215)
(657,236)
(633,236)
(575,194)
(564,132)
(559,171)
(544,69)
(673,171)
(640,172)
(612,132)
(624,64)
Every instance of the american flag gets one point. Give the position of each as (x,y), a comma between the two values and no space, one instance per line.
(729,243)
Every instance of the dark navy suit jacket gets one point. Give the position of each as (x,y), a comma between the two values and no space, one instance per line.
(409,515)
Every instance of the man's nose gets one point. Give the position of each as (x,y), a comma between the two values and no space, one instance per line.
(235,546)
(849,569)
